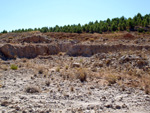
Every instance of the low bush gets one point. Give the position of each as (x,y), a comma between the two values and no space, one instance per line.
(14,67)
(32,89)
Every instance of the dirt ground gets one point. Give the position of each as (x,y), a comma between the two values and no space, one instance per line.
(106,82)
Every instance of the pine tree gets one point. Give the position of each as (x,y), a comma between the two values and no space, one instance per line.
(145,23)
(4,31)
(130,24)
(113,27)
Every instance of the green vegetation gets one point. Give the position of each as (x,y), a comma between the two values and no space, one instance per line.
(14,67)
(4,31)
(137,23)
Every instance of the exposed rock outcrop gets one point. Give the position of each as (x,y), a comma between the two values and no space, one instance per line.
(35,39)
(89,50)
(28,51)
(33,50)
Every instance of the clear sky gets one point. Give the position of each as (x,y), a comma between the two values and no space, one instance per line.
(15,14)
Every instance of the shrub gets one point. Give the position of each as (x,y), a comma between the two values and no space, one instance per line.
(128,30)
(71,89)
(108,62)
(140,30)
(24,60)
(47,82)
(100,32)
(32,89)
(14,67)
(40,71)
(71,58)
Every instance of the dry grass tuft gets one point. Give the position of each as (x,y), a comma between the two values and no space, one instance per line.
(147,89)
(91,39)
(112,79)
(24,60)
(72,89)
(146,84)
(4,67)
(108,62)
(61,53)
(71,58)
(81,74)
(66,67)
(81,60)
(42,70)
(58,69)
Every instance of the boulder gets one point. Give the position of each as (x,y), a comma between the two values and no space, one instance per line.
(76,65)
(135,60)
(128,58)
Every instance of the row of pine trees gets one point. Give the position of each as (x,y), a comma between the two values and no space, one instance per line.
(109,25)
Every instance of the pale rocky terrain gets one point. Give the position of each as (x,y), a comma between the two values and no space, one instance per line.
(66,75)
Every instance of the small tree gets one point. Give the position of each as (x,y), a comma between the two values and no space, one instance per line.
(130,24)
(4,31)
(113,27)
(145,23)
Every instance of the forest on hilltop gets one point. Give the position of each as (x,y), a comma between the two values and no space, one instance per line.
(137,23)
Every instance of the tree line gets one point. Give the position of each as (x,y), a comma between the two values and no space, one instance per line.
(137,23)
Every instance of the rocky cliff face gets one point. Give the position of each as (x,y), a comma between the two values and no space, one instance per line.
(30,51)
(88,50)
(9,51)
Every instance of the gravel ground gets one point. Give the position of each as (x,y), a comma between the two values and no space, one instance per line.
(25,91)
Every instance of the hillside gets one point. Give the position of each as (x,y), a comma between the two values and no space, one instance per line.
(72,72)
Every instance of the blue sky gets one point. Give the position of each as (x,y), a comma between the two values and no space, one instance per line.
(15,14)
